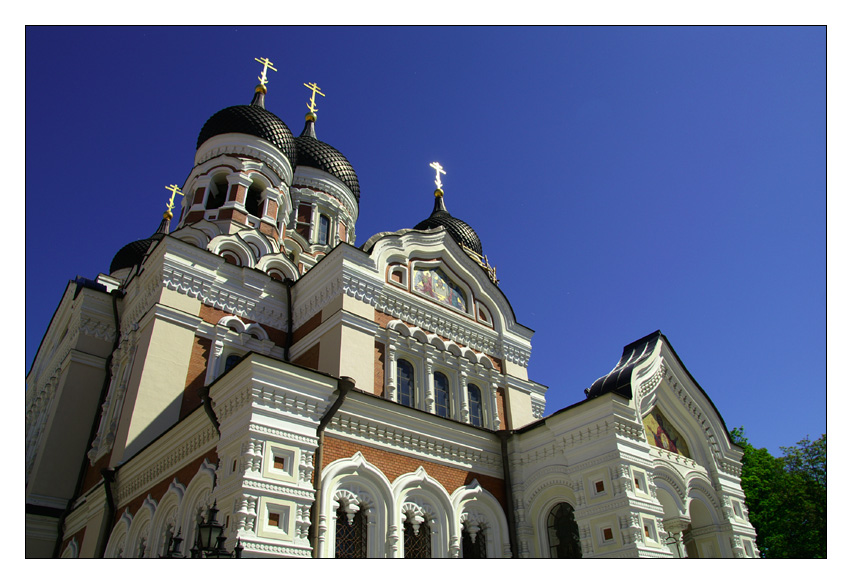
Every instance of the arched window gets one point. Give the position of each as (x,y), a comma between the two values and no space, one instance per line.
(418,540)
(324,228)
(405,382)
(474,402)
(217,192)
(351,539)
(253,200)
(563,534)
(442,395)
(473,545)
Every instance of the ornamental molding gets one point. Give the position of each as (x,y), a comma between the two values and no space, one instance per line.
(260,308)
(283,434)
(240,146)
(309,182)
(413,444)
(277,550)
(139,480)
(306,494)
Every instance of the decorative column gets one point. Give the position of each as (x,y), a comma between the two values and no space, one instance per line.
(465,406)
(495,412)
(390,373)
(430,386)
(674,528)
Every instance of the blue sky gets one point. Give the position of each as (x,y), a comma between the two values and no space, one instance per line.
(622,179)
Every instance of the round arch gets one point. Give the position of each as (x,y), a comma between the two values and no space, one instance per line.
(421,498)
(478,511)
(355,482)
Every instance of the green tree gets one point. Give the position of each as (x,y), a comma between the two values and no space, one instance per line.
(786,497)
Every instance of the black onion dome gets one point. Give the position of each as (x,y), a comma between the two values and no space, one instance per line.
(134,252)
(254,120)
(461,232)
(317,154)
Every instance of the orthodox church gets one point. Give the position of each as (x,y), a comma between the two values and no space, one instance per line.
(253,384)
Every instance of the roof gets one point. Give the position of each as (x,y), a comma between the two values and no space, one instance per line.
(317,154)
(461,232)
(254,120)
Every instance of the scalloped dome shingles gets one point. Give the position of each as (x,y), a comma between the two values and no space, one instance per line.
(253,120)
(461,232)
(133,253)
(317,154)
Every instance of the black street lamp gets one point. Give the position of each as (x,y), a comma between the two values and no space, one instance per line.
(174,543)
(210,542)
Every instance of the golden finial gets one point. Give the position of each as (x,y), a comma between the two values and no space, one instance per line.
(175,190)
(439,170)
(313,105)
(267,64)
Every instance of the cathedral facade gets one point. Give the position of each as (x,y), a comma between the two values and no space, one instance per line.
(256,371)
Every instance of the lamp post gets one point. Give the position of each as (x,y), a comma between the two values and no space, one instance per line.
(210,542)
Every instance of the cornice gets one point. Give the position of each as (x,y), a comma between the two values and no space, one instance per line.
(414,444)
(246,146)
(164,457)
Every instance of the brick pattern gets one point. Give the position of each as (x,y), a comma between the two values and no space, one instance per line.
(501,407)
(394,465)
(379,370)
(309,358)
(195,375)
(306,328)
(213,315)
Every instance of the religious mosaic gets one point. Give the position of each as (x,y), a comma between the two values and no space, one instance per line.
(660,433)
(436,284)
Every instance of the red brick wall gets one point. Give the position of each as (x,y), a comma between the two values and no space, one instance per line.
(501,407)
(309,358)
(393,465)
(214,315)
(379,370)
(195,375)
(312,323)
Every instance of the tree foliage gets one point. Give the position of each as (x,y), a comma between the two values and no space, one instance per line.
(786,497)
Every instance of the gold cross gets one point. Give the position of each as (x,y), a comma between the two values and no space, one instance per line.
(314,90)
(266,64)
(439,170)
(175,191)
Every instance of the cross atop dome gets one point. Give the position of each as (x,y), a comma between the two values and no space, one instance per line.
(267,64)
(439,170)
(312,107)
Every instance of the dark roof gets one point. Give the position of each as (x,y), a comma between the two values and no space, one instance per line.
(254,120)
(317,154)
(133,253)
(618,380)
(461,232)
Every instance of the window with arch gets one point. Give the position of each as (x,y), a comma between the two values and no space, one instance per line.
(563,533)
(324,230)
(442,395)
(217,192)
(405,382)
(254,200)
(474,402)
(473,545)
(351,537)
(418,539)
